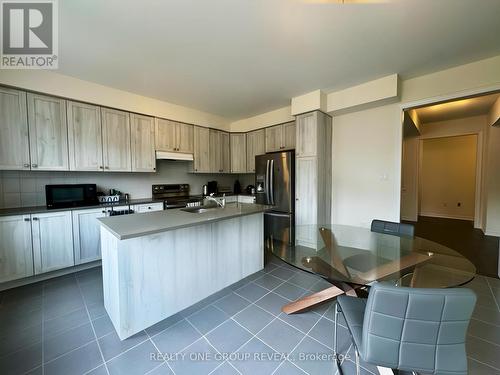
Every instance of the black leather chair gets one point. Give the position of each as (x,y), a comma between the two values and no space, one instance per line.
(395,229)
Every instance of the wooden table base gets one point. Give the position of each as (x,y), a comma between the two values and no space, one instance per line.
(318,298)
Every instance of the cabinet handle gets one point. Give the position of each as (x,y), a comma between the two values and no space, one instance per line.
(149,208)
(27,219)
(34,165)
(35,219)
(103,211)
(101,167)
(27,165)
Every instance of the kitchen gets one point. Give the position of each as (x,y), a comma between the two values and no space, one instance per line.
(195,184)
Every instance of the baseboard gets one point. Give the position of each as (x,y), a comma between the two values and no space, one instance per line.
(444,216)
(48,275)
(494,233)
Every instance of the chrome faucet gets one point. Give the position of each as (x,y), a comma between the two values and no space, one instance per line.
(221,203)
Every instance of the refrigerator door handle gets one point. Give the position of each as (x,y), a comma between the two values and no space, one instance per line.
(271,180)
(266,190)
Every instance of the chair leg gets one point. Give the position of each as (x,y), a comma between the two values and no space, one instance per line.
(357,360)
(335,334)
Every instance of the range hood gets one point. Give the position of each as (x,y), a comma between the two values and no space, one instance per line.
(173,156)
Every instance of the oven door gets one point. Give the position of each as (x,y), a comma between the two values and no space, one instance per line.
(70,195)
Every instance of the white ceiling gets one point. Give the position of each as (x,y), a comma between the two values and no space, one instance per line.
(238,58)
(477,106)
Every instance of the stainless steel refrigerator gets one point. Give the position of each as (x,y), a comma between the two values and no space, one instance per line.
(275,186)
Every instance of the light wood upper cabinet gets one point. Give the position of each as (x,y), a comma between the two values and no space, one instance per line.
(174,136)
(289,136)
(238,152)
(280,137)
(14,143)
(201,163)
(48,132)
(185,137)
(225,153)
(165,132)
(255,146)
(273,138)
(220,155)
(52,241)
(116,140)
(215,140)
(306,135)
(86,235)
(16,253)
(84,137)
(143,143)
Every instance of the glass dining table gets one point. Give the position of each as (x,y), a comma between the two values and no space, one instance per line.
(353,257)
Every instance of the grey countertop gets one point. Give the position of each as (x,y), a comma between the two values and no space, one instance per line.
(42,209)
(138,225)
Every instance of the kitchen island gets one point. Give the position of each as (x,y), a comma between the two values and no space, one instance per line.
(160,263)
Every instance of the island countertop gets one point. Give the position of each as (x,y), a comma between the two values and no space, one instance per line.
(130,226)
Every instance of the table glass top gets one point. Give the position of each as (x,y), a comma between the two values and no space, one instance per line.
(360,256)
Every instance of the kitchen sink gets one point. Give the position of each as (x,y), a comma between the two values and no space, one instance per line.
(201,209)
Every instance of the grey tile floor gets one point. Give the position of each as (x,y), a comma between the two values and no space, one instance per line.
(60,326)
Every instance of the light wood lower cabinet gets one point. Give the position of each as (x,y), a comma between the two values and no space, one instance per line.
(16,253)
(143,143)
(238,152)
(256,145)
(52,241)
(14,143)
(48,132)
(86,235)
(201,155)
(84,137)
(116,140)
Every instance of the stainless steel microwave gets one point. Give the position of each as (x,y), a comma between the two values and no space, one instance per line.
(71,195)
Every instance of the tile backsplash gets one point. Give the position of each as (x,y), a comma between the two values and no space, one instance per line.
(27,188)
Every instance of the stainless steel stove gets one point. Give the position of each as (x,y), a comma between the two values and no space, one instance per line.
(176,196)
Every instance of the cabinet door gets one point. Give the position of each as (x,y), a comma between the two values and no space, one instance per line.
(306,202)
(166,139)
(52,241)
(16,253)
(185,137)
(84,137)
(307,128)
(255,146)
(143,143)
(14,142)
(48,133)
(86,235)
(225,152)
(238,153)
(201,155)
(116,140)
(289,136)
(273,138)
(215,151)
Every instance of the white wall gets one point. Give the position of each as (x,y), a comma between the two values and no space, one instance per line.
(366,165)
(27,188)
(493,183)
(448,177)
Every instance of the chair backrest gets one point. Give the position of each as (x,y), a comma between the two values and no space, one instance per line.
(413,329)
(395,229)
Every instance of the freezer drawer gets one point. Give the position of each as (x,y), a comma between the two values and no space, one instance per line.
(279,226)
